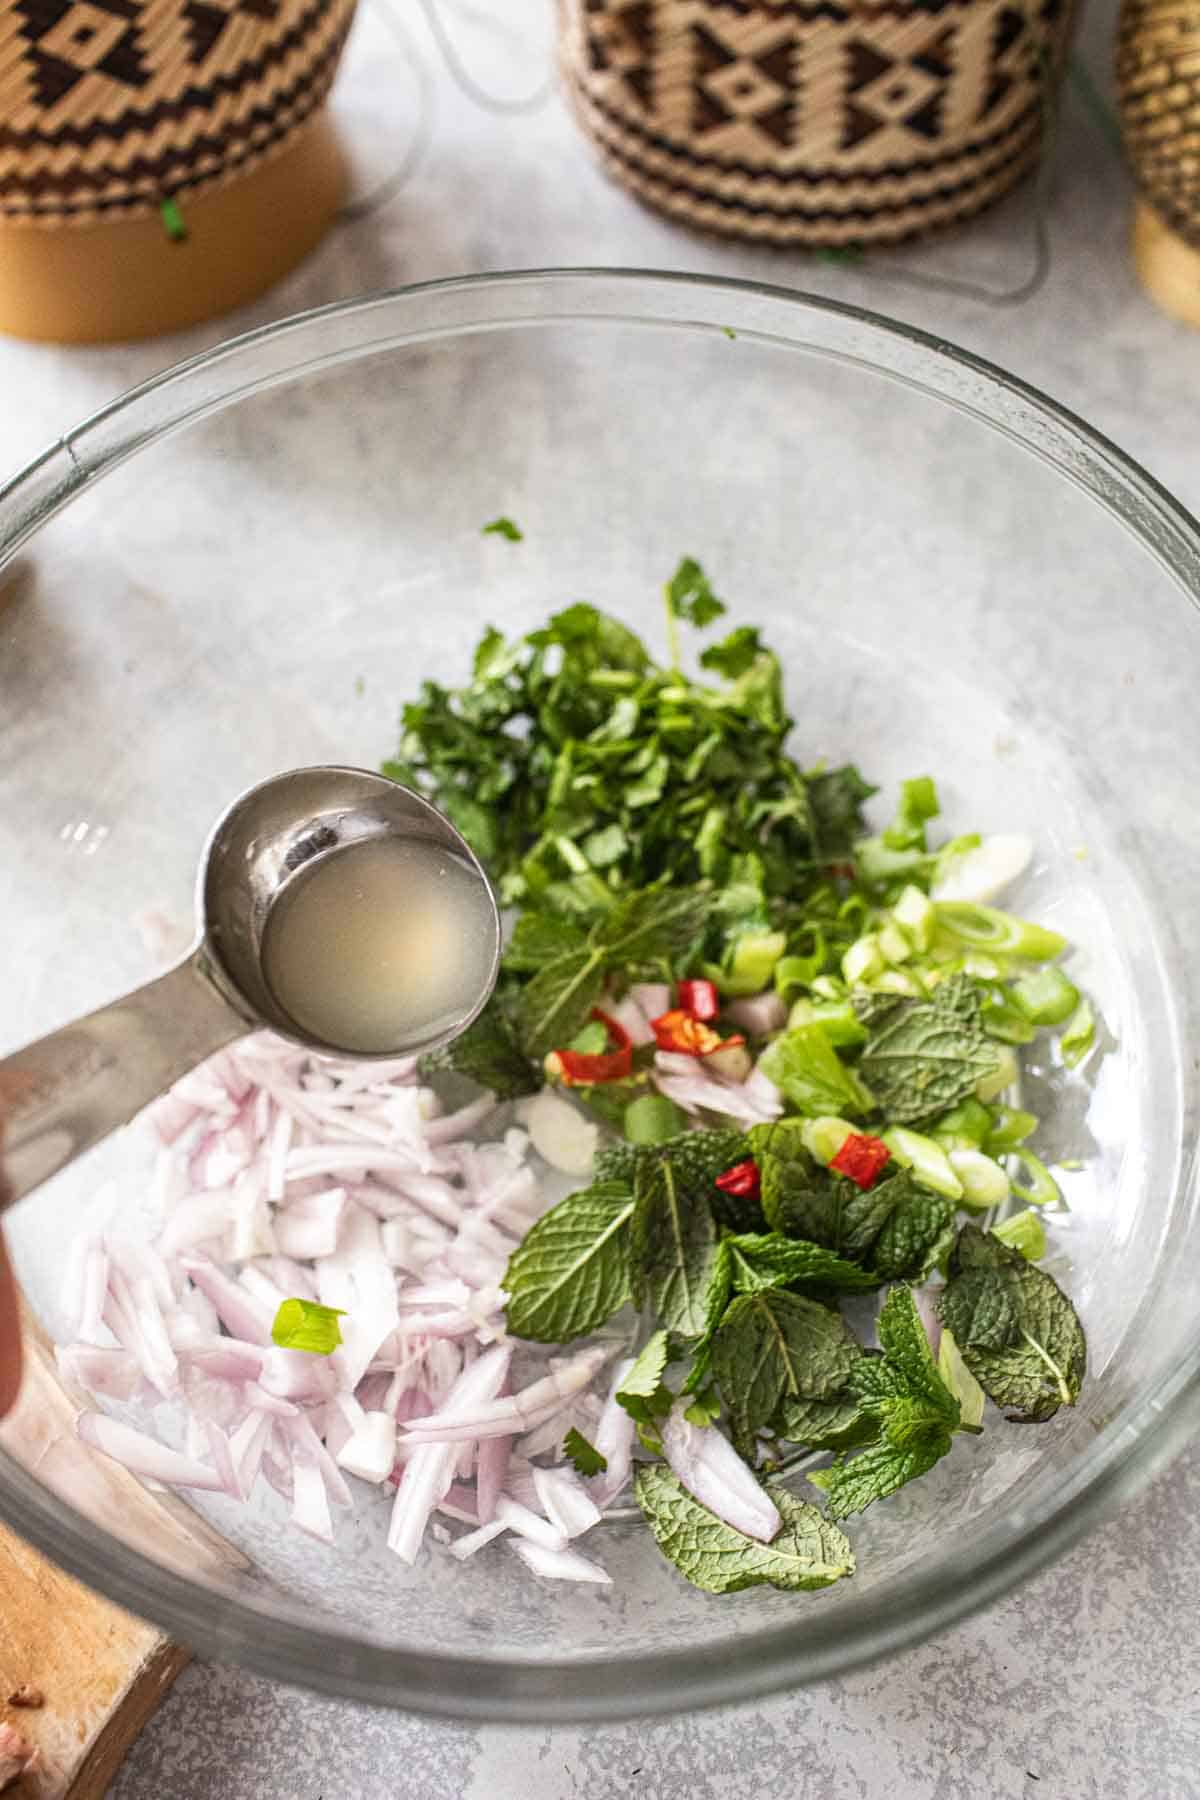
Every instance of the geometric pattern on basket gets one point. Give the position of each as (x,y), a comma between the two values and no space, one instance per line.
(108,106)
(734,115)
(1158,74)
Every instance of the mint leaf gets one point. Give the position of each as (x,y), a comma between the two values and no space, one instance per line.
(651,925)
(556,1003)
(540,938)
(504,528)
(917,1233)
(803,1200)
(771,1344)
(643,1393)
(690,595)
(571,1270)
(928,1054)
(806,1068)
(674,1246)
(760,1260)
(699,1156)
(1015,1329)
(915,1413)
(487,1052)
(583,1456)
(808,1552)
(824,1424)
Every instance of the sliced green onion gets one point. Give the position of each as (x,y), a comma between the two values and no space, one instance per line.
(928,1161)
(1046,996)
(1004,1075)
(796,970)
(897,981)
(1025,1232)
(1002,1020)
(750,964)
(863,960)
(984,1182)
(591,1041)
(652,1119)
(962,1384)
(829,987)
(1008,1128)
(824,1137)
(836,1018)
(987,928)
(1079,1036)
(1041,1188)
(895,945)
(303,1325)
(918,804)
(880,866)
(964,1127)
(914,913)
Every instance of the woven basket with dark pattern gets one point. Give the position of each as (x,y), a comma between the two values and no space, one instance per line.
(107,107)
(814,121)
(1158,73)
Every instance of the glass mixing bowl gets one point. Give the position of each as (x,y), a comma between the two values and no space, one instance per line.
(249,563)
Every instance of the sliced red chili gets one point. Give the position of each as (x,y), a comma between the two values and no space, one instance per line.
(700,998)
(862,1158)
(680,1031)
(743,1180)
(579,1068)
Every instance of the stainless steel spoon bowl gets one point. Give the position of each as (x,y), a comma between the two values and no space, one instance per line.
(62,1094)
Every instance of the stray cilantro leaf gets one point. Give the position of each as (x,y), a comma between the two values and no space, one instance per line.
(928,1054)
(773,1343)
(643,1393)
(571,1270)
(734,654)
(915,1412)
(768,1259)
(1015,1329)
(690,595)
(806,1068)
(674,1246)
(504,528)
(836,798)
(807,1552)
(583,1456)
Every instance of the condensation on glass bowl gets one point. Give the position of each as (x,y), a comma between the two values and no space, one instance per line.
(287,540)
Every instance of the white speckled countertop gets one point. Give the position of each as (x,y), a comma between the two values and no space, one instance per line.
(1087,1681)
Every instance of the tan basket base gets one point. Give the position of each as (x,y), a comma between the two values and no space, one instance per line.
(1167,266)
(125,278)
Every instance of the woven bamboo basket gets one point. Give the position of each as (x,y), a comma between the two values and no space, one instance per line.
(160,160)
(818,122)
(1158,75)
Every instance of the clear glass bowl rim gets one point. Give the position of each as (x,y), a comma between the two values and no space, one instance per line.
(291,1645)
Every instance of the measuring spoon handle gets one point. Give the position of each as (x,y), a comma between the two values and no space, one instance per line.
(62,1094)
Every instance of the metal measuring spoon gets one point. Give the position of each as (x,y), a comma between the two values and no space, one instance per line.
(62,1094)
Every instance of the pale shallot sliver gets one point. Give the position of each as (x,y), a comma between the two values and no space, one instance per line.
(654,997)
(475,1541)
(113,1373)
(758,1014)
(559,1565)
(310,1502)
(529,1524)
(564,1501)
(429,1469)
(531,1406)
(491,1470)
(371,1451)
(712,1471)
(238,1311)
(144,1455)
